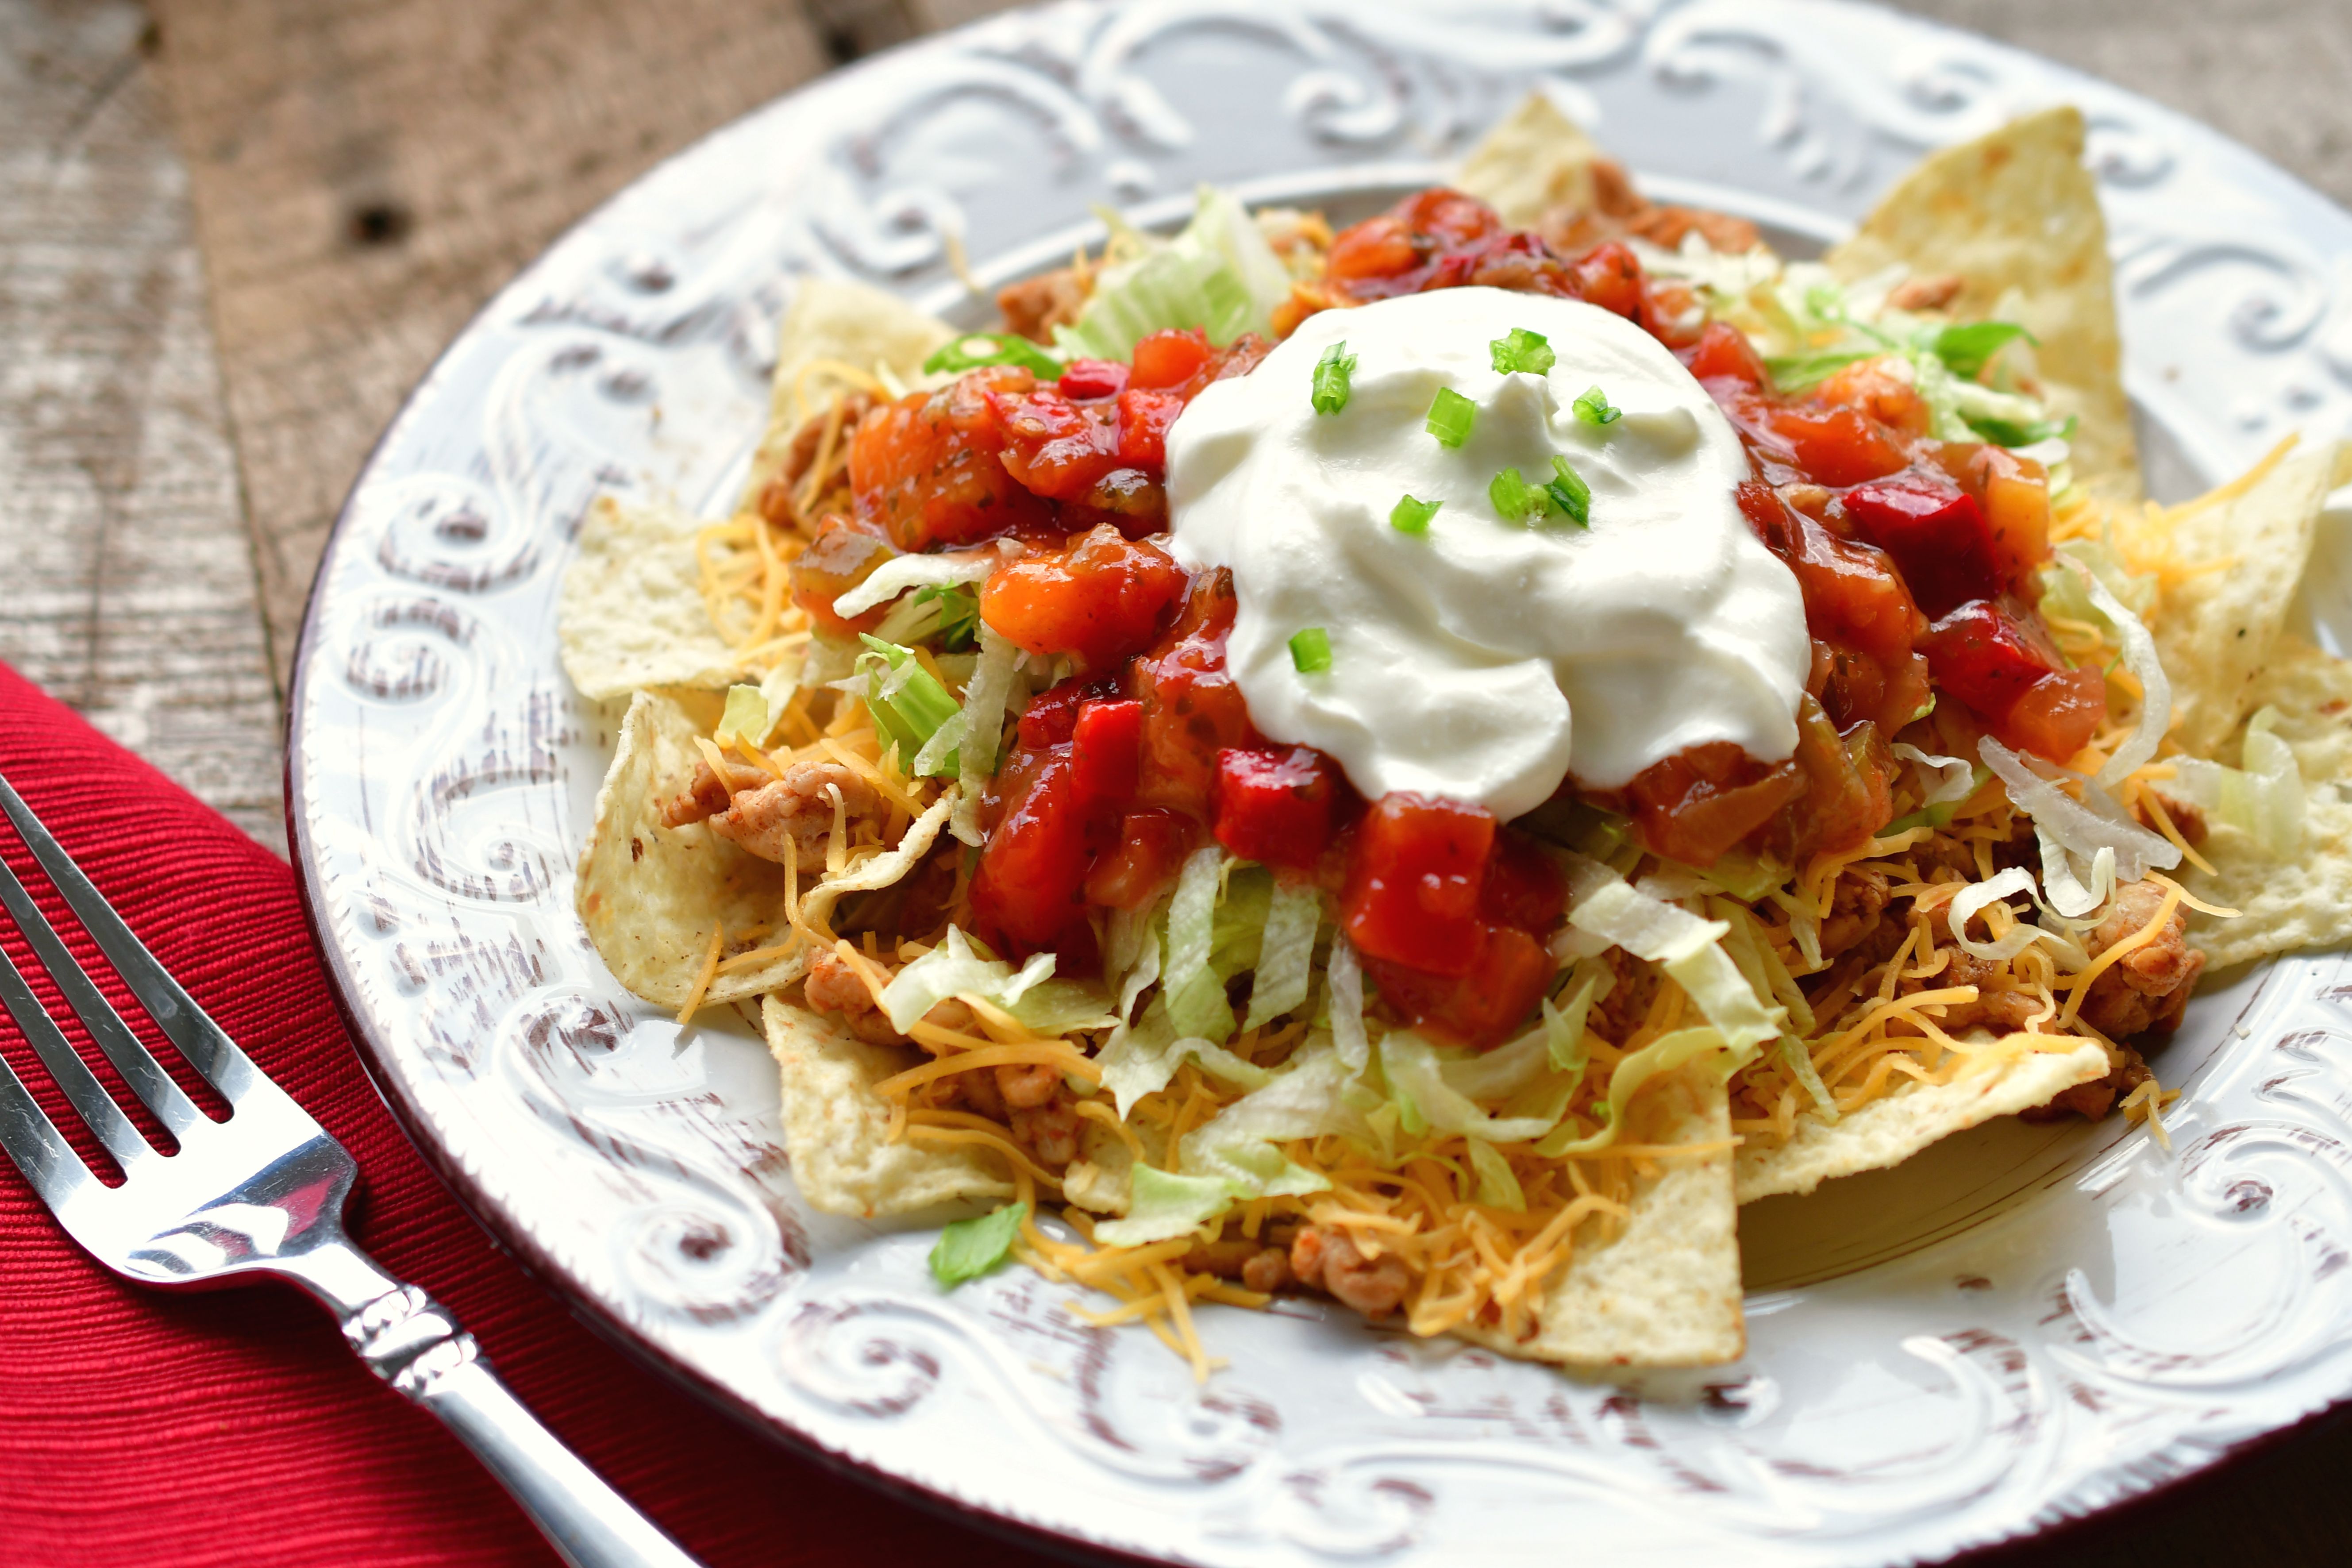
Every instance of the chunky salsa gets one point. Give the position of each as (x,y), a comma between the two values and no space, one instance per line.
(1917,558)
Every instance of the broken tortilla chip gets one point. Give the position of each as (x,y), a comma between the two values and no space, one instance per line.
(2305,901)
(1890,1129)
(2016,216)
(836,334)
(837,1129)
(1665,1290)
(1535,159)
(2215,630)
(651,896)
(633,615)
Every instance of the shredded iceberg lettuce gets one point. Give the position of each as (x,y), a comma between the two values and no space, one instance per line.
(1971,901)
(1285,956)
(1497,1186)
(1686,947)
(746,716)
(1162,1206)
(909,705)
(979,725)
(1141,1060)
(1415,1078)
(1661,1056)
(2262,799)
(1218,274)
(1194,997)
(1030,994)
(2087,845)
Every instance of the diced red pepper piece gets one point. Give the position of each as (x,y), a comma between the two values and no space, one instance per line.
(1025,893)
(1170,357)
(1937,534)
(1090,378)
(2015,494)
(1143,420)
(1100,602)
(1273,804)
(1724,353)
(1105,749)
(1413,880)
(1152,844)
(1052,716)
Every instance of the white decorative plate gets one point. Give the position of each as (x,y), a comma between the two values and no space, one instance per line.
(2024,1324)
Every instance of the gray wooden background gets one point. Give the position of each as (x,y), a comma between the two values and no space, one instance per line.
(233,233)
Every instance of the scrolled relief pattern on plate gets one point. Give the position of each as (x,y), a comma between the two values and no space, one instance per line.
(663,1206)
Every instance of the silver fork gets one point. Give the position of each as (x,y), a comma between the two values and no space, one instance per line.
(261,1193)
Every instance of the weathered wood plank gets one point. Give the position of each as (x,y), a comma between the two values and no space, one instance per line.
(365,175)
(130,589)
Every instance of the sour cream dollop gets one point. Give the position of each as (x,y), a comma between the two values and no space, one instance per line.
(1480,659)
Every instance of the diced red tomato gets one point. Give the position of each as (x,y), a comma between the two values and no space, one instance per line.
(1275,804)
(1694,805)
(1098,601)
(1377,247)
(1524,886)
(1052,716)
(1170,357)
(1937,534)
(1481,1007)
(1143,420)
(1152,844)
(1724,353)
(1191,709)
(924,469)
(1026,891)
(1091,378)
(2057,717)
(2014,492)
(1836,445)
(842,556)
(1056,447)
(1867,387)
(1610,275)
(1413,881)
(1105,750)
(1996,658)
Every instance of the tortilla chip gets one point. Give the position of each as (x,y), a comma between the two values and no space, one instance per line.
(842,323)
(1665,1292)
(632,614)
(649,895)
(1535,159)
(837,1129)
(2016,215)
(1888,1132)
(2306,901)
(2215,631)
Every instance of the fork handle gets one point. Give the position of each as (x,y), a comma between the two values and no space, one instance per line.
(414,1344)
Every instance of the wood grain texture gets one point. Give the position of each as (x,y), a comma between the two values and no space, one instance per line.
(366,173)
(129,589)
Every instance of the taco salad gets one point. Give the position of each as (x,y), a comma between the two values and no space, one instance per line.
(1426,764)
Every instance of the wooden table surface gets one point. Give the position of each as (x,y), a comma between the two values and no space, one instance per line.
(233,233)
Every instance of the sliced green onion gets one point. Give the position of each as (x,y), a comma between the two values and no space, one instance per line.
(1593,408)
(1522,351)
(970,1247)
(1451,414)
(1331,373)
(1516,500)
(1967,349)
(1410,516)
(1310,651)
(1002,348)
(1571,493)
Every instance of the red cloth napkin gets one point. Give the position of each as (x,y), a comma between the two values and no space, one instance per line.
(141,1427)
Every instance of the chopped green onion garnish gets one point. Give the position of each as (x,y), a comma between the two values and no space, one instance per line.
(970,1248)
(1451,414)
(1410,516)
(1331,372)
(1571,493)
(1967,349)
(1522,350)
(1310,651)
(1593,408)
(973,350)
(1516,500)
